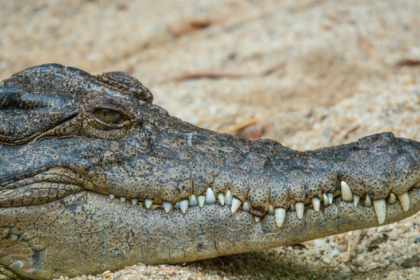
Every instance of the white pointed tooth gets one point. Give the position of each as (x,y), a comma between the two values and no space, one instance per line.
(122,198)
(380,209)
(356,200)
(167,206)
(392,198)
(368,201)
(346,193)
(299,209)
(228,199)
(201,200)
(183,205)
(134,201)
(111,196)
(221,198)
(257,219)
(330,198)
(176,206)
(405,201)
(246,207)
(279,215)
(193,201)
(292,208)
(271,210)
(236,203)
(316,203)
(326,200)
(210,198)
(148,202)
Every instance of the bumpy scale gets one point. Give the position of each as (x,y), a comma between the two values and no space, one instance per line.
(95,177)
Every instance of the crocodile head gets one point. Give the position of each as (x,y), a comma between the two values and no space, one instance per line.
(93,176)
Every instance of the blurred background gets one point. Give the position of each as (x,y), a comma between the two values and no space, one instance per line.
(308,74)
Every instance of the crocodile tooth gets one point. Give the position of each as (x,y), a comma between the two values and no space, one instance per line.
(368,201)
(316,203)
(405,201)
(271,210)
(221,198)
(356,200)
(346,193)
(148,202)
(167,206)
(201,200)
(280,215)
(111,196)
(210,198)
(122,198)
(134,201)
(228,199)
(257,219)
(392,198)
(299,209)
(183,205)
(193,201)
(326,201)
(236,203)
(330,197)
(246,207)
(292,208)
(380,209)
(176,206)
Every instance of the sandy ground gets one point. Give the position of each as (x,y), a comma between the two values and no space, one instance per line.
(308,74)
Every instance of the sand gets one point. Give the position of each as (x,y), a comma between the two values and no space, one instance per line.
(308,74)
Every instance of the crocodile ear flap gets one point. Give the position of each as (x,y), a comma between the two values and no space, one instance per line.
(24,115)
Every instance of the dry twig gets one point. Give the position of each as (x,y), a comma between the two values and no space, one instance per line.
(226,75)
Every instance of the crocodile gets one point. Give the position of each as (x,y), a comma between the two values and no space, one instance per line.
(94,177)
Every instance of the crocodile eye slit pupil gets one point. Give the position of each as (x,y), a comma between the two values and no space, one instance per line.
(108,116)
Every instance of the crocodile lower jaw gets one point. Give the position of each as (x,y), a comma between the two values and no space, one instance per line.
(212,227)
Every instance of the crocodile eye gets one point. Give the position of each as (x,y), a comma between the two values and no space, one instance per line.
(109,116)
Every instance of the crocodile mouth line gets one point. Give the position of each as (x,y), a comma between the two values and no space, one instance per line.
(344,195)
(37,193)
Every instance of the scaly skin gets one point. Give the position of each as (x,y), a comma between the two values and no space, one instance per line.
(63,158)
